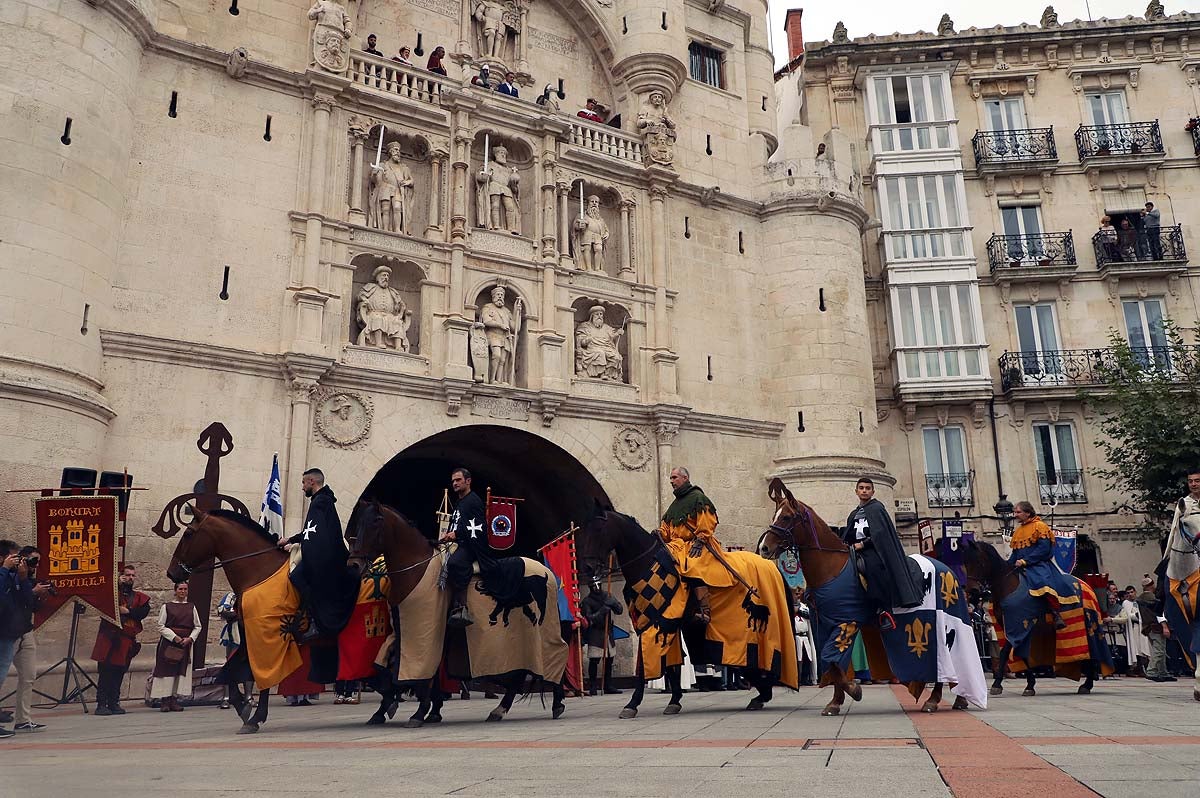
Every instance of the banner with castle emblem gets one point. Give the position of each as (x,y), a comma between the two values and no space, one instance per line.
(77,536)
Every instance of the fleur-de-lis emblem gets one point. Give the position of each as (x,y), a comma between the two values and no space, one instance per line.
(918,636)
(846,634)
(949,589)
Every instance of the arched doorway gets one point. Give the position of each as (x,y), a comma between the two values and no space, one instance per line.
(556,487)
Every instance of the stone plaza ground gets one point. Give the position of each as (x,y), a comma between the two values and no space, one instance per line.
(1130,738)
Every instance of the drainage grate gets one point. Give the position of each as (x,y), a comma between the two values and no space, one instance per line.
(866,742)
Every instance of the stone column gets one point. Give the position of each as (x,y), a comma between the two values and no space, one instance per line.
(458,189)
(564,221)
(658,215)
(438,157)
(664,438)
(465,34)
(301,388)
(549,223)
(626,242)
(523,41)
(358,137)
(322,107)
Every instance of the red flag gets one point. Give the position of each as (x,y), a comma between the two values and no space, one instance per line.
(501,522)
(560,558)
(78,538)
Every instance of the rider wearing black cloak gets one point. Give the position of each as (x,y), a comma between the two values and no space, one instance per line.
(328,589)
(467,529)
(870,532)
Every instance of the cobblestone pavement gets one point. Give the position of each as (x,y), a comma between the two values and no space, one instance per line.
(1128,738)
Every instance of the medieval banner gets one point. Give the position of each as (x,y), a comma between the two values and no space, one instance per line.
(559,555)
(501,522)
(78,538)
(1064,549)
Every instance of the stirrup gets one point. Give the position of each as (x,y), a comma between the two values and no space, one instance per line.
(887,621)
(460,617)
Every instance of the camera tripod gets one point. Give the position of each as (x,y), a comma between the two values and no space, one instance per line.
(76,682)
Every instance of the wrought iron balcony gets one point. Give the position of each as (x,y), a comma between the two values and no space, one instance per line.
(950,490)
(1131,138)
(1004,147)
(1193,127)
(1064,486)
(1075,367)
(1039,249)
(1148,245)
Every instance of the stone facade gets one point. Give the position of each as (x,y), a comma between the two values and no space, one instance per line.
(982,150)
(196,248)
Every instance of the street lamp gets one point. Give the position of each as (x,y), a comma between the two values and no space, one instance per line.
(1004,509)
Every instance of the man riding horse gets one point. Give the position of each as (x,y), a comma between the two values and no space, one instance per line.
(871,534)
(466,528)
(688,529)
(1179,575)
(1033,551)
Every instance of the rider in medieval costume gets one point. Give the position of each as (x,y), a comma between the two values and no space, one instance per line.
(1033,550)
(871,534)
(1179,579)
(689,529)
(327,588)
(467,530)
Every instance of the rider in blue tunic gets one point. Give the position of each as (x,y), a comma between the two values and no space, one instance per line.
(1033,551)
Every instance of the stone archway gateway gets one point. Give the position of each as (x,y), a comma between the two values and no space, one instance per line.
(556,487)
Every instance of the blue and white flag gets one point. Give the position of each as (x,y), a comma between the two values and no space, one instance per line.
(271,515)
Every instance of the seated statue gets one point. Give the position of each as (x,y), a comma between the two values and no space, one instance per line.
(596,353)
(384,317)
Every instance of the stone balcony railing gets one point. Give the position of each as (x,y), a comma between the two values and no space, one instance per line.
(392,77)
(605,140)
(1014,147)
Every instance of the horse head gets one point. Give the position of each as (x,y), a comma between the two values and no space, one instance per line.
(365,533)
(596,539)
(780,534)
(982,565)
(1189,528)
(196,546)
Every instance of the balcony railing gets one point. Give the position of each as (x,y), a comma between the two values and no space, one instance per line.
(1075,367)
(950,490)
(1194,128)
(1064,486)
(1132,138)
(395,78)
(1040,249)
(1014,146)
(606,140)
(1148,245)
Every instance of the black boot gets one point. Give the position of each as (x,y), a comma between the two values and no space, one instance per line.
(609,689)
(102,708)
(460,616)
(593,670)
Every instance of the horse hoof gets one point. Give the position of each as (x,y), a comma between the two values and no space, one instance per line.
(996,690)
(672,709)
(1084,690)
(959,703)
(433,717)
(377,720)
(755,704)
(1196,695)
(830,711)
(248,728)
(413,723)
(495,715)
(1028,691)
(392,707)
(558,710)
(929,707)
(854,690)
(627,713)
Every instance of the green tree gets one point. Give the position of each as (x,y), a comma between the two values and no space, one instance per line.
(1150,421)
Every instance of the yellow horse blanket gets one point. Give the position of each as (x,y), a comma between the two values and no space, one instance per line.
(268,609)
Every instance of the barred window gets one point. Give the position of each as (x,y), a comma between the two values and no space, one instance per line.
(706,65)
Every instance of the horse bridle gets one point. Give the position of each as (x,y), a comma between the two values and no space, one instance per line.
(788,535)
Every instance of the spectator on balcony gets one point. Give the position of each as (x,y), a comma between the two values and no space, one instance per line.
(371,40)
(1151,221)
(1108,239)
(590,113)
(482,79)
(435,61)
(1127,240)
(508,87)
(402,58)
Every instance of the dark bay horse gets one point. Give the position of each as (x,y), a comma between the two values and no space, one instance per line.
(637,551)
(377,529)
(990,574)
(249,554)
(823,556)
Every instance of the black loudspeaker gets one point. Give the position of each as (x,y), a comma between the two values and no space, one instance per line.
(83,480)
(114,480)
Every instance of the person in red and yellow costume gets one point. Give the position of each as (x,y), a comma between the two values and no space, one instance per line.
(116,646)
(688,529)
(1033,552)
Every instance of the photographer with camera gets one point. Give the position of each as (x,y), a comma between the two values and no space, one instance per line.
(116,646)
(25,653)
(18,597)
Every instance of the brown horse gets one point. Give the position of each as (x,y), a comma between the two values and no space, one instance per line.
(249,554)
(823,556)
(377,529)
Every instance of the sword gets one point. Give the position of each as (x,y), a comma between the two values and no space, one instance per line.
(721,559)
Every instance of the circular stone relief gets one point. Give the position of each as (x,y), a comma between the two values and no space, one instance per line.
(631,447)
(344,419)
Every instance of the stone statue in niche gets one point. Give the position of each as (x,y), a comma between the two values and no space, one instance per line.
(384,317)
(498,200)
(331,35)
(391,194)
(500,329)
(495,24)
(1049,18)
(657,129)
(596,343)
(591,237)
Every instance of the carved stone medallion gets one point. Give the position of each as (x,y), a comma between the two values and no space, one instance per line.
(343,418)
(631,447)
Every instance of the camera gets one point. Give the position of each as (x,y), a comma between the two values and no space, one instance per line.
(53,591)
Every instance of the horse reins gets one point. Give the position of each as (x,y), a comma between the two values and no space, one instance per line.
(790,533)
(221,564)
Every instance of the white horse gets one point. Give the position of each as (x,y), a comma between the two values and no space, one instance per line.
(1183,564)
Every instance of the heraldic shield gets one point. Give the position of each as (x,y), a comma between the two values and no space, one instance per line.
(501,522)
